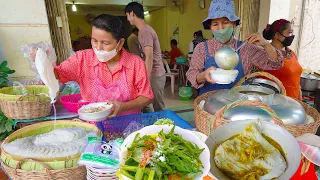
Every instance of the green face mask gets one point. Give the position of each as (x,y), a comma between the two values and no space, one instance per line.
(223,35)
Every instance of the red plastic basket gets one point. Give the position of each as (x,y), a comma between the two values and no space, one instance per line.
(72,102)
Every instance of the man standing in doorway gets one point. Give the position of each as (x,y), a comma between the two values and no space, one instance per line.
(133,43)
(151,47)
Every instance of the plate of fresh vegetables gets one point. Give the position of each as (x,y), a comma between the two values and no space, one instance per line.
(163,152)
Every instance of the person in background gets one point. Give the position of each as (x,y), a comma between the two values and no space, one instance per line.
(222,21)
(76,46)
(175,52)
(151,47)
(198,38)
(107,73)
(281,34)
(133,42)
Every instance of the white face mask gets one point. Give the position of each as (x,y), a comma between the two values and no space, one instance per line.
(104,56)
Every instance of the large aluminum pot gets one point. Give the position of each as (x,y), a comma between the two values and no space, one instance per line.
(255,93)
(309,82)
(289,110)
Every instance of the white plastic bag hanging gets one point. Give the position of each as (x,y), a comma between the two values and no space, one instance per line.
(29,52)
(46,72)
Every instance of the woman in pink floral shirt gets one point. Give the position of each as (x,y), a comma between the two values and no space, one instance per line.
(222,20)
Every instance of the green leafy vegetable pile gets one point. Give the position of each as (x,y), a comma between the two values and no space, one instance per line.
(162,156)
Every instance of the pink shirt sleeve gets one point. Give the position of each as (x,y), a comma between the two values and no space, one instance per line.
(142,82)
(70,69)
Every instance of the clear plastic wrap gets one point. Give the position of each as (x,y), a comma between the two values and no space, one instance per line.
(29,52)
(19,89)
(96,155)
(71,88)
(132,127)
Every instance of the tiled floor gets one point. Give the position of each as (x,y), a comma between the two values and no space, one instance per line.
(173,100)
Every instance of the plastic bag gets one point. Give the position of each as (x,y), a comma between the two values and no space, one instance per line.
(29,52)
(45,69)
(99,154)
(19,89)
(132,127)
(71,88)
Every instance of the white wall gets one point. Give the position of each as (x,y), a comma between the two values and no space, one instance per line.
(21,22)
(279,9)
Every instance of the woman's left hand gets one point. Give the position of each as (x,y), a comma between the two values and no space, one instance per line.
(116,109)
(257,39)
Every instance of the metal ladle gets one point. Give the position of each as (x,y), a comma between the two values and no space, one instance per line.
(227,58)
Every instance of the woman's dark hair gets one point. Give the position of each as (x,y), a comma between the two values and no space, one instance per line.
(75,43)
(111,24)
(277,26)
(136,8)
(174,42)
(198,33)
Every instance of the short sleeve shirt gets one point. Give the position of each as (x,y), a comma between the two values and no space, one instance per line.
(148,37)
(80,68)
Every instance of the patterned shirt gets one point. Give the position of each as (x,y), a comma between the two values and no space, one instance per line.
(80,68)
(251,56)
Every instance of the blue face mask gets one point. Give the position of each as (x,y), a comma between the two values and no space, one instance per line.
(223,35)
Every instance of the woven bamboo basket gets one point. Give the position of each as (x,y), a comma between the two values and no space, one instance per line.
(203,118)
(32,105)
(263,74)
(74,173)
(40,128)
(21,125)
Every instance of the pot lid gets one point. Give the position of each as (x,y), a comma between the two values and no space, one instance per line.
(267,82)
(309,76)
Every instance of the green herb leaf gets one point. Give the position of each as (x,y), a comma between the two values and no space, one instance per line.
(3,64)
(5,69)
(8,126)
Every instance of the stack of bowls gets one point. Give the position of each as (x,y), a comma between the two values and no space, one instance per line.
(101,174)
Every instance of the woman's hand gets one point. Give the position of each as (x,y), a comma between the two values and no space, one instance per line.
(257,39)
(117,108)
(205,76)
(208,76)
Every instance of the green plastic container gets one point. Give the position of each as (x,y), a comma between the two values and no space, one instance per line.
(181,60)
(185,93)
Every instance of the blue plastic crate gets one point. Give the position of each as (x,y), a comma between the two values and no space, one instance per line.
(118,124)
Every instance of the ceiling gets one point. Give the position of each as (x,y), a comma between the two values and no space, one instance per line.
(105,7)
(115,7)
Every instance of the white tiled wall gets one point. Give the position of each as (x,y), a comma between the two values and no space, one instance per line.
(21,22)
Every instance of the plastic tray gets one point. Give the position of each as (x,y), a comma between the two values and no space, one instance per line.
(118,124)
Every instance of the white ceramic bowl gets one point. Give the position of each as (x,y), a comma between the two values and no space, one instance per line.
(186,134)
(221,76)
(288,143)
(95,116)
